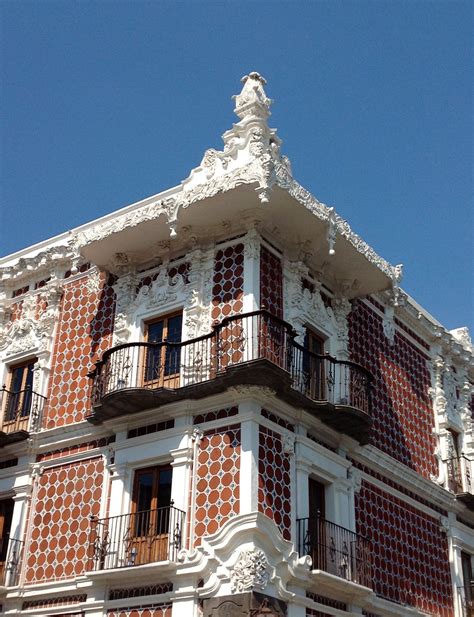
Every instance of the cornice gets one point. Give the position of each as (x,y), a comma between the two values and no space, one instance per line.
(393,470)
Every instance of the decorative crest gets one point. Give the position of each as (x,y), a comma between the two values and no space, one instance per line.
(252,101)
(251,570)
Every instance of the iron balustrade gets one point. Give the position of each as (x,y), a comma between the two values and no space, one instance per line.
(466,599)
(238,339)
(136,538)
(11,552)
(21,410)
(335,550)
(458,474)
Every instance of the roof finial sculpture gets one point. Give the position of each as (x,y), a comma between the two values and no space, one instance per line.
(252,101)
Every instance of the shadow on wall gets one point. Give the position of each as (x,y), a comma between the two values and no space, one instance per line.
(401,407)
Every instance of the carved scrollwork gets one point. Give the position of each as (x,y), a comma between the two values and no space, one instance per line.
(251,570)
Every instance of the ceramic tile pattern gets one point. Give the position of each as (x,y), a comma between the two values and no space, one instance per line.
(274,493)
(84,333)
(67,496)
(402,410)
(271,282)
(409,552)
(218,478)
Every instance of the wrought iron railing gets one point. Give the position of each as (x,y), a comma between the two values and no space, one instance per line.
(136,539)
(335,550)
(11,552)
(21,410)
(466,599)
(459,474)
(238,339)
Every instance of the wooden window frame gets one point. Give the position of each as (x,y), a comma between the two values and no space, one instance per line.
(162,379)
(316,371)
(16,398)
(151,545)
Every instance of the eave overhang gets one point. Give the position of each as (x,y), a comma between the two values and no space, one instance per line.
(229,204)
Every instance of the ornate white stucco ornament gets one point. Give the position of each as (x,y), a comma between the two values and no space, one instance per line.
(388,324)
(463,336)
(252,101)
(251,570)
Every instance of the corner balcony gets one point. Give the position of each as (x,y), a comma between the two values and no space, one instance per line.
(335,550)
(459,479)
(247,349)
(22,414)
(129,540)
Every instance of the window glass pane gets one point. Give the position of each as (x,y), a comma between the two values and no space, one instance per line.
(173,353)
(144,489)
(17,378)
(155,332)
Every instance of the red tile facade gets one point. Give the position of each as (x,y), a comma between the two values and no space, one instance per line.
(84,333)
(218,479)
(66,498)
(274,480)
(410,558)
(228,282)
(271,282)
(402,410)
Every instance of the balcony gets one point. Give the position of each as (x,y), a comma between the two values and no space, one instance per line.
(11,551)
(136,539)
(466,599)
(335,550)
(459,479)
(246,349)
(22,414)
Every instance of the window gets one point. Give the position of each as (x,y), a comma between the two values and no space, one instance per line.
(162,362)
(150,520)
(6,513)
(313,366)
(467,578)
(316,529)
(17,402)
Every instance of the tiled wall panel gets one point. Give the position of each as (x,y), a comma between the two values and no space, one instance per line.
(274,480)
(67,496)
(228,282)
(218,478)
(410,558)
(84,333)
(271,282)
(402,410)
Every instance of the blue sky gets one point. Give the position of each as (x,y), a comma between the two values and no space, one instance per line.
(104,103)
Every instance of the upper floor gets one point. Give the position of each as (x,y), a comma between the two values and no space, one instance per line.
(237,276)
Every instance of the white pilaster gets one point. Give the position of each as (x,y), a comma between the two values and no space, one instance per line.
(251,271)
(249,458)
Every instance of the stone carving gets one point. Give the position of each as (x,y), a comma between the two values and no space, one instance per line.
(251,155)
(93,283)
(289,443)
(437,392)
(252,244)
(124,289)
(251,570)
(161,291)
(341,307)
(463,336)
(252,101)
(46,261)
(33,330)
(332,230)
(388,324)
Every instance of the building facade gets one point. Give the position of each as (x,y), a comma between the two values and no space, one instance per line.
(219,402)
